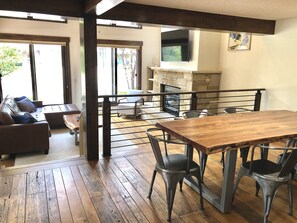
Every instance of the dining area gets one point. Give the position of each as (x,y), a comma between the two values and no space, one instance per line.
(120,189)
(256,133)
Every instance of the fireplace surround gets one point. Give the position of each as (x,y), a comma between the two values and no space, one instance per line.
(187,80)
(171,103)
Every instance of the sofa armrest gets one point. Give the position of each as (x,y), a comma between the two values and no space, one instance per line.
(21,138)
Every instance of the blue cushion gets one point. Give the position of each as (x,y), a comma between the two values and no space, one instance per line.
(24,118)
(26,105)
(20,98)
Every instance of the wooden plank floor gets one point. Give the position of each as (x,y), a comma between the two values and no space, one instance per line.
(115,190)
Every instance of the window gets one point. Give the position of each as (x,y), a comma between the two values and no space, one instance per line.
(38,70)
(31,16)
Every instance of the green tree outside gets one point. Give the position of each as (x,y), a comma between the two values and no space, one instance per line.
(9,60)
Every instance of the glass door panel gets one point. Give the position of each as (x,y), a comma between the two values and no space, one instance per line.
(49,73)
(105,70)
(117,70)
(16,81)
(126,69)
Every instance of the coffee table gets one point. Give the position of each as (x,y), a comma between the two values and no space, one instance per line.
(72,122)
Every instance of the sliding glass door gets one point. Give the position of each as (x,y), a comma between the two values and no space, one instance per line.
(15,70)
(34,70)
(126,69)
(49,73)
(118,68)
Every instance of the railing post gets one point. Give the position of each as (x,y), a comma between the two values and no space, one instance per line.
(193,105)
(257,100)
(106,121)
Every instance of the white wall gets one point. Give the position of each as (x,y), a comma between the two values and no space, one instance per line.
(71,29)
(271,64)
(209,51)
(151,38)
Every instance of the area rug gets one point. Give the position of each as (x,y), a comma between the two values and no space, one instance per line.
(62,146)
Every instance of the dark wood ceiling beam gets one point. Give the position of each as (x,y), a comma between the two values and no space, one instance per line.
(90,5)
(146,14)
(72,8)
(100,6)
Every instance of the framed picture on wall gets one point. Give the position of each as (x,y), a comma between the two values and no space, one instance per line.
(239,41)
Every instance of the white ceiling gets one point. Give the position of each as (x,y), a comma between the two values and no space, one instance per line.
(259,9)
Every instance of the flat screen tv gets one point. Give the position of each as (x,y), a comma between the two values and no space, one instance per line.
(175,46)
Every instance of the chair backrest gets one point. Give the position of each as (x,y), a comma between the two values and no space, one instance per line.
(195,113)
(230,110)
(135,98)
(154,140)
(289,164)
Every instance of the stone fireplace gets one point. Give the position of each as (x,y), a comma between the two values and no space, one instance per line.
(186,80)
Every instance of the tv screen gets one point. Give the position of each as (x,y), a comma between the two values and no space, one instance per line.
(175,46)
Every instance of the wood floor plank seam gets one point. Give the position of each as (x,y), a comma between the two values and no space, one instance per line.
(119,199)
(115,189)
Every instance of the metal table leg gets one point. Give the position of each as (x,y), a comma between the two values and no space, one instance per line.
(224,202)
(76,136)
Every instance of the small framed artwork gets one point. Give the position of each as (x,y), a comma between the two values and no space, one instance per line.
(239,41)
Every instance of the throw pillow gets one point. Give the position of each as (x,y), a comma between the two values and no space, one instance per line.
(20,98)
(26,105)
(6,119)
(23,118)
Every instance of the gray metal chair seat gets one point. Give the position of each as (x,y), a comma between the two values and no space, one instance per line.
(270,176)
(172,167)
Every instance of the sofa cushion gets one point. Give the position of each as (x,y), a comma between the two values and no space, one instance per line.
(20,98)
(9,103)
(5,118)
(23,118)
(26,105)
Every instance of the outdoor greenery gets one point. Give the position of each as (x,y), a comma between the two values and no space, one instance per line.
(9,60)
(127,57)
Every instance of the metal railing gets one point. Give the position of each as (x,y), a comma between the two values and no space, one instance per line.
(119,130)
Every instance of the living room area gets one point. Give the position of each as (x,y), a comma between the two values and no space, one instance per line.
(209,53)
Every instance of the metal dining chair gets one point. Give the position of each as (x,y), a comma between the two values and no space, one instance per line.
(202,156)
(244,151)
(269,175)
(173,168)
(283,156)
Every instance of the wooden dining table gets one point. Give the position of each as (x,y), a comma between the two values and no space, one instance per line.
(229,132)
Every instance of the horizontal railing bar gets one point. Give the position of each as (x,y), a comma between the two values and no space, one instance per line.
(121,140)
(159,118)
(128,127)
(231,96)
(189,92)
(134,144)
(127,133)
(221,102)
(125,121)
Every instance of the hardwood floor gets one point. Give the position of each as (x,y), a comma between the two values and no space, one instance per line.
(115,190)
